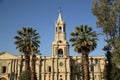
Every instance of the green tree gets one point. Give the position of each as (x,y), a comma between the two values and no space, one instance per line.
(25,75)
(84,40)
(27,41)
(114,74)
(107,13)
(77,70)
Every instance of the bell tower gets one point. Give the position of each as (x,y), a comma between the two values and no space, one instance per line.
(60,47)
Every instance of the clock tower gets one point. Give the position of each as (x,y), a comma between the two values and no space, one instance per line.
(60,47)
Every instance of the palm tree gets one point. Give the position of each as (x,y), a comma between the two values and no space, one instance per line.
(84,40)
(27,42)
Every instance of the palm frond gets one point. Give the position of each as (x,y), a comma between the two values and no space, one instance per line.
(27,40)
(83,38)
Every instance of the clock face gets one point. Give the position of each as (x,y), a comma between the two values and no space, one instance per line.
(61,63)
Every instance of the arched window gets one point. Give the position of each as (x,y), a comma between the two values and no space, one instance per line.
(61,79)
(60,29)
(60,53)
(60,41)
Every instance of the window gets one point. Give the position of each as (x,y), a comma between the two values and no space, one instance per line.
(4,69)
(60,29)
(49,68)
(60,41)
(60,75)
(60,53)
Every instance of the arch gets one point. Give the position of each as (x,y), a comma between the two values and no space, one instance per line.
(60,53)
(60,29)
(3,78)
(60,41)
(61,79)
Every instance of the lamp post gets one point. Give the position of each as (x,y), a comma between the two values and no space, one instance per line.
(92,66)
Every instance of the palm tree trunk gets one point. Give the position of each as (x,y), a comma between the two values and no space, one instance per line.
(33,76)
(27,62)
(27,65)
(86,65)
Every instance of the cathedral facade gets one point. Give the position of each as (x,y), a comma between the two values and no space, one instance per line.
(59,66)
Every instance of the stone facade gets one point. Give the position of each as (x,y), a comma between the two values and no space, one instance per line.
(59,66)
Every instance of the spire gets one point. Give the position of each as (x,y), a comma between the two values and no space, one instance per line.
(60,16)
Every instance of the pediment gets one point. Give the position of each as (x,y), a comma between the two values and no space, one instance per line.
(6,55)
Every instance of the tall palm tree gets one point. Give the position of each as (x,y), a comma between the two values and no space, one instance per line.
(84,40)
(27,41)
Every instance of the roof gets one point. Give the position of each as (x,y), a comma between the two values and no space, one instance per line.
(6,55)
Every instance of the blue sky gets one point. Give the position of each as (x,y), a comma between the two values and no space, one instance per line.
(42,15)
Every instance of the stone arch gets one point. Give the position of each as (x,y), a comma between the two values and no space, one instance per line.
(3,78)
(60,29)
(61,79)
(60,53)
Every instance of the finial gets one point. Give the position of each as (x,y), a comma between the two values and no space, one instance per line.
(60,10)
(60,16)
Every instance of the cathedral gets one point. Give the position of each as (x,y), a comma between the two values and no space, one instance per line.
(59,66)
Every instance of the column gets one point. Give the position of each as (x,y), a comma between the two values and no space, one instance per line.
(16,71)
(69,70)
(11,69)
(65,70)
(52,69)
(44,68)
(40,66)
(99,76)
(57,74)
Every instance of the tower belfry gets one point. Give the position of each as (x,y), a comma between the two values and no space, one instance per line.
(60,47)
